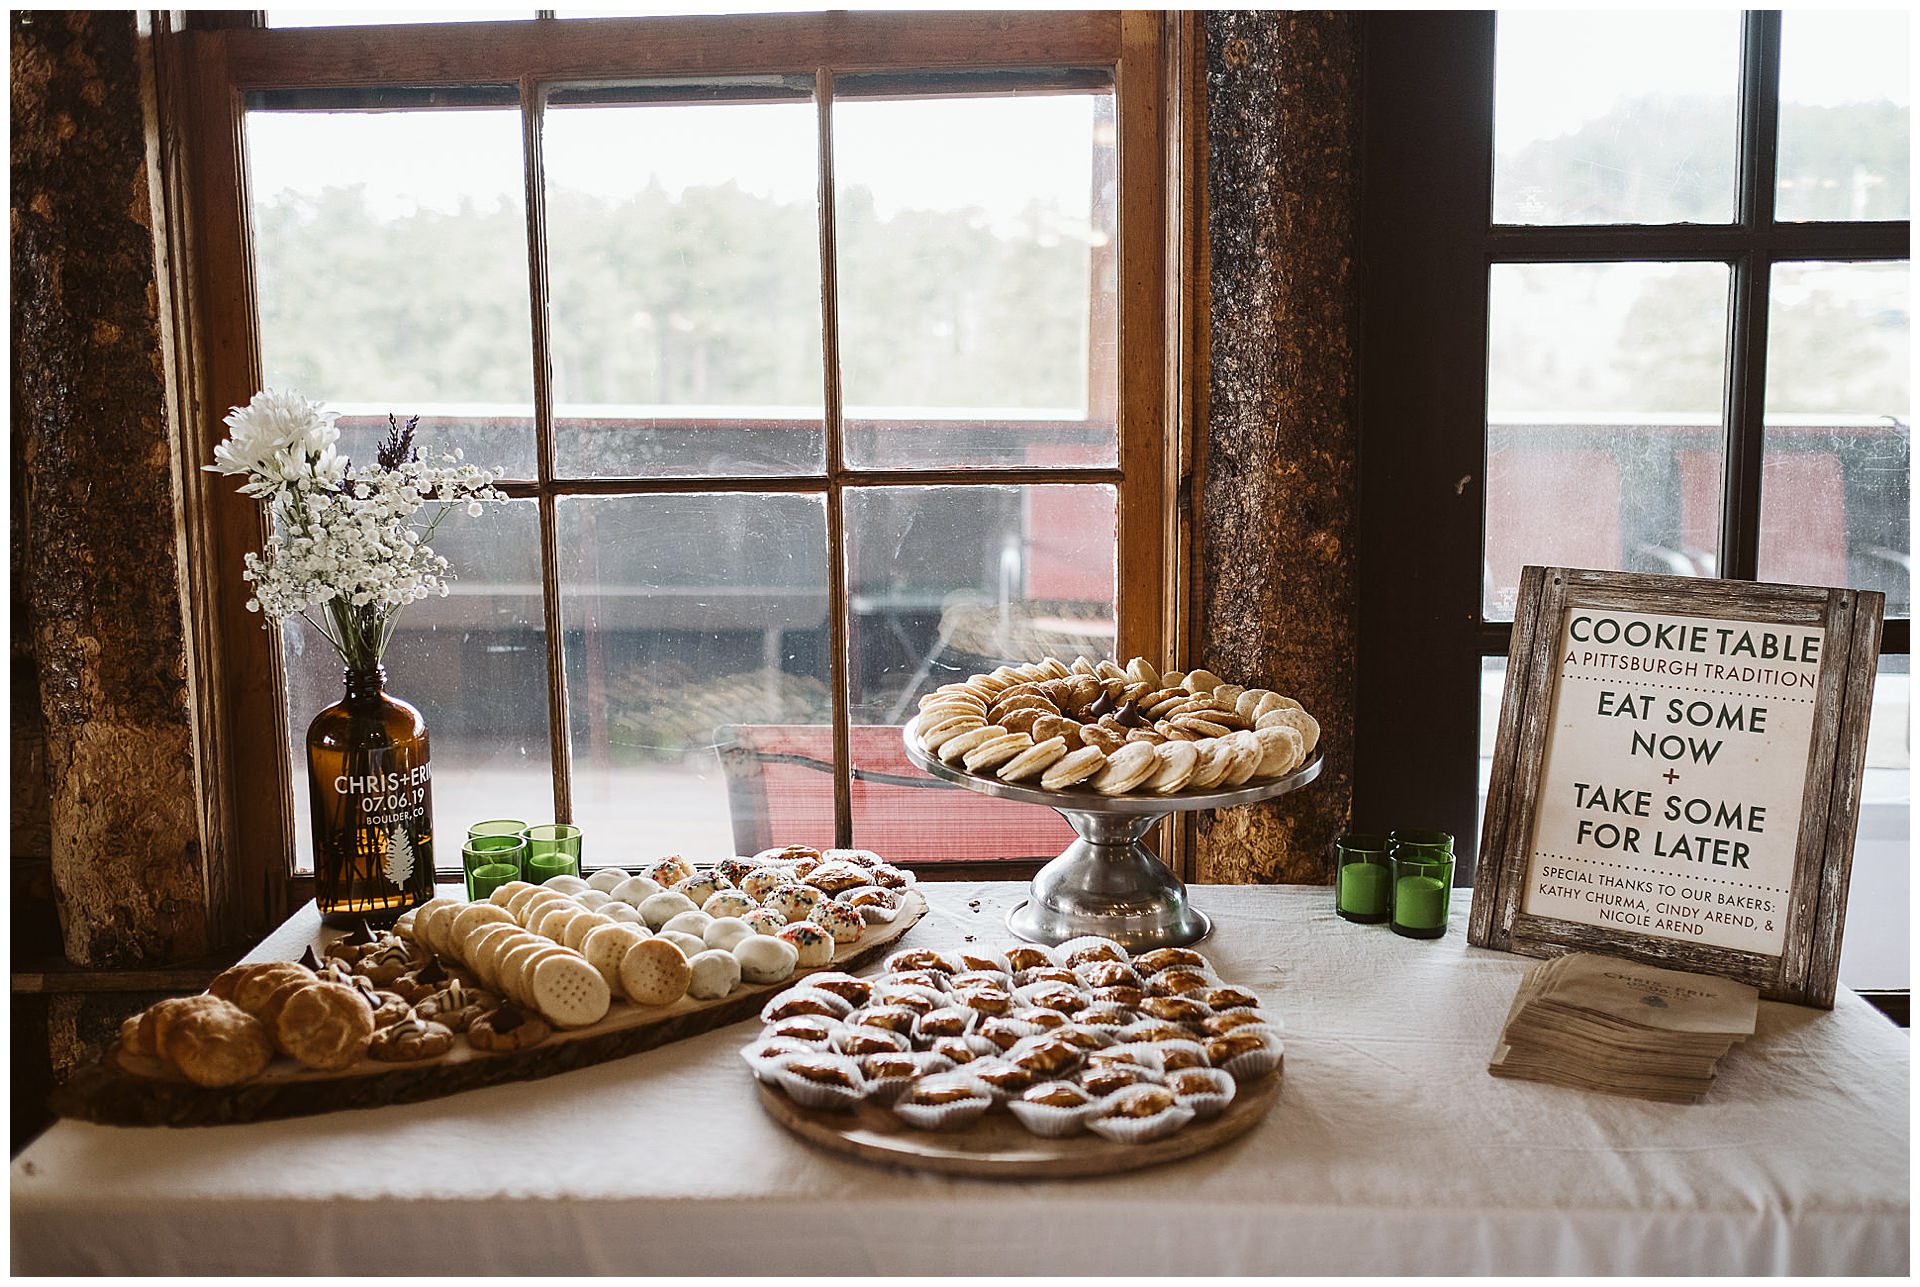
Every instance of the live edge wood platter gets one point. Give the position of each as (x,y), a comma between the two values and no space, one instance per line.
(996,1147)
(136,1091)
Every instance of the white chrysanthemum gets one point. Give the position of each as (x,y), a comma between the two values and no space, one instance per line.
(275,437)
(347,541)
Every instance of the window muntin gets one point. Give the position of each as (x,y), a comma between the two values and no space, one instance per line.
(550,491)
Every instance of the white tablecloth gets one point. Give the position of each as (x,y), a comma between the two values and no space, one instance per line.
(1391,1151)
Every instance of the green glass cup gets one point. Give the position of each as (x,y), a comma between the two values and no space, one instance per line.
(1421,844)
(497,827)
(553,849)
(490,862)
(1422,893)
(1362,879)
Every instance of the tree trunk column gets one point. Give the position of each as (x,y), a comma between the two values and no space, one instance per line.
(1280,446)
(102,556)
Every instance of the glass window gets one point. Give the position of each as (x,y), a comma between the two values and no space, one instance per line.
(391,262)
(1846,100)
(1605,430)
(976,251)
(1615,117)
(1836,482)
(684,278)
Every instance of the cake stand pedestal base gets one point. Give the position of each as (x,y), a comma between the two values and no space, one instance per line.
(1109,883)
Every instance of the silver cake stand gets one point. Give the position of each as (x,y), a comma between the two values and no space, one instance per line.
(1108,882)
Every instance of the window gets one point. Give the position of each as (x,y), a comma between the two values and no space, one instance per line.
(1654,301)
(825,357)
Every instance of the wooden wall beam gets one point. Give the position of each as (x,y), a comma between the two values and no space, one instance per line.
(90,404)
(1279,453)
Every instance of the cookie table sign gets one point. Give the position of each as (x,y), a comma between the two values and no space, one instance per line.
(1677,775)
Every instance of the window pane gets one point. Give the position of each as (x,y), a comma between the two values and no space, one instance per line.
(1835,486)
(1604,420)
(1845,102)
(697,673)
(474,663)
(1874,953)
(1615,117)
(684,252)
(976,301)
(383,17)
(391,252)
(944,582)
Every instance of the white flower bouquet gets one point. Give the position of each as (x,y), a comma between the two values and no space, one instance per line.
(351,540)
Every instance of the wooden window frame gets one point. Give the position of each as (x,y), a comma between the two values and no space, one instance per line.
(1428,241)
(207,70)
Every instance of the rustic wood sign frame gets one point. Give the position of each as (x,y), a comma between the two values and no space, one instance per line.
(1806,969)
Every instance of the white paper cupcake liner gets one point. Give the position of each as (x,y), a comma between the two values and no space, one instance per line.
(1129,979)
(1066,951)
(812,1094)
(896,1042)
(766,1067)
(940,1117)
(934,1024)
(1051,1121)
(1211,1103)
(1138,1130)
(1030,956)
(1175,1055)
(1142,1054)
(837,1007)
(1256,1063)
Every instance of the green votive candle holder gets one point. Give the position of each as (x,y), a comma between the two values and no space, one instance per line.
(1422,889)
(1362,879)
(497,827)
(490,862)
(553,849)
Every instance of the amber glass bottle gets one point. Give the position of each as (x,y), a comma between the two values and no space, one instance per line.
(371,788)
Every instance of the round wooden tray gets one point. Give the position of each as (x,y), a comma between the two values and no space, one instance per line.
(134,1091)
(997,1147)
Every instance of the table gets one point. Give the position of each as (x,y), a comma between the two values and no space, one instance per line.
(1391,1151)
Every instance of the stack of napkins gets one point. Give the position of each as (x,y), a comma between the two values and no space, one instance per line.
(1620,1028)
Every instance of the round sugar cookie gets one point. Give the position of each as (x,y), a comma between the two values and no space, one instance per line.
(511,964)
(727,932)
(663,907)
(551,922)
(712,974)
(764,920)
(431,928)
(635,890)
(579,927)
(687,943)
(477,950)
(413,932)
(694,923)
(1126,769)
(565,884)
(955,748)
(1177,761)
(994,752)
(593,899)
(812,943)
(1216,757)
(523,902)
(625,915)
(504,893)
(654,972)
(474,915)
(1282,749)
(607,945)
(728,902)
(568,992)
(1034,761)
(1073,768)
(1247,754)
(607,879)
(766,959)
(1292,717)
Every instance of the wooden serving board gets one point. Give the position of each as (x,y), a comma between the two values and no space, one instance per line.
(140,1091)
(998,1147)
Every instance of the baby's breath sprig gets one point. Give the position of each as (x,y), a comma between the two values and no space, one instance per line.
(353,543)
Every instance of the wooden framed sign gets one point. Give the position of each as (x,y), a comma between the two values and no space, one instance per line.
(1677,775)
